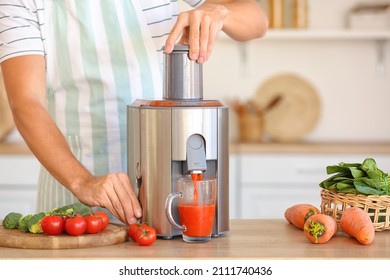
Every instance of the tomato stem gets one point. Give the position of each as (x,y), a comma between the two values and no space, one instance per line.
(144,232)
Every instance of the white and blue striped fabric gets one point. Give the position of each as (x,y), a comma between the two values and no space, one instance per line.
(100,55)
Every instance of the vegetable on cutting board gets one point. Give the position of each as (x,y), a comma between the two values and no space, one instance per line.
(54,220)
(320,228)
(34,224)
(23,224)
(73,209)
(12,220)
(299,213)
(357,223)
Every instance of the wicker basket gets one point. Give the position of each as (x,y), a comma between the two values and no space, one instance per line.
(377,206)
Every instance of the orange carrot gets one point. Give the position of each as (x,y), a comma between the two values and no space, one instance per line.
(357,223)
(298,214)
(320,228)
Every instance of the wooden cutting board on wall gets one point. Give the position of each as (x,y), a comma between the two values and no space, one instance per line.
(14,238)
(298,111)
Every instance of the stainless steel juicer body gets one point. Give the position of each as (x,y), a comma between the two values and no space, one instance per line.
(179,135)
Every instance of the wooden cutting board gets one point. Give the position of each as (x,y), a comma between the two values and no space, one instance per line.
(298,111)
(14,238)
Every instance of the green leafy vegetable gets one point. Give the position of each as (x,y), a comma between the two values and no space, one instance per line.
(365,178)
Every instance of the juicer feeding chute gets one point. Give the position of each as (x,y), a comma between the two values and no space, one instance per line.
(175,137)
(183,78)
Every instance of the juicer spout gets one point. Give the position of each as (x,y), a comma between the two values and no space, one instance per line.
(196,154)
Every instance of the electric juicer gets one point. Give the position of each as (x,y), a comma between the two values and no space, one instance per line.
(176,137)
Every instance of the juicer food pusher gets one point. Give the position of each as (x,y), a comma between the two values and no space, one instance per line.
(177,136)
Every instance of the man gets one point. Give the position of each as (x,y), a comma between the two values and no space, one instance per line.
(71,68)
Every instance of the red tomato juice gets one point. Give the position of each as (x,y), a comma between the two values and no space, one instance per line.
(198,219)
(196,178)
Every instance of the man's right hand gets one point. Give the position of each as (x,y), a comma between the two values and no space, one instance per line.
(112,192)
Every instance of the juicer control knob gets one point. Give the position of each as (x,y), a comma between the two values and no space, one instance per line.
(196,153)
(195,143)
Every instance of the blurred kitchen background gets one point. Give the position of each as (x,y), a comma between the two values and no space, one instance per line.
(315,91)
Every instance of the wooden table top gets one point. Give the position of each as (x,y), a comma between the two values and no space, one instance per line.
(247,239)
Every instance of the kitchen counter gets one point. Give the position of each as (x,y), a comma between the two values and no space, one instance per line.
(267,147)
(14,144)
(14,148)
(311,147)
(247,239)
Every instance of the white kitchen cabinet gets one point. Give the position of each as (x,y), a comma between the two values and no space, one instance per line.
(266,184)
(18,184)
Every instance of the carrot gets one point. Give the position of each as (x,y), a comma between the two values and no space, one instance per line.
(298,214)
(320,228)
(357,223)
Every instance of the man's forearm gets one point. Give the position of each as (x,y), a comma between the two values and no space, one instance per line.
(245,19)
(25,83)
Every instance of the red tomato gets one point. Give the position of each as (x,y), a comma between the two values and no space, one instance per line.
(75,226)
(65,219)
(52,225)
(104,216)
(94,224)
(132,229)
(143,234)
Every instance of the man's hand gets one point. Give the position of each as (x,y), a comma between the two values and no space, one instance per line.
(112,192)
(198,28)
(242,20)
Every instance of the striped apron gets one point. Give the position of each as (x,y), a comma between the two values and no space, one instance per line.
(100,58)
